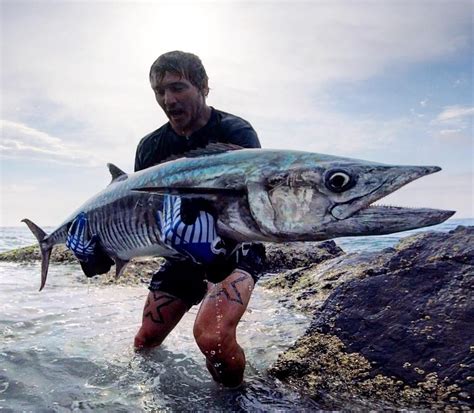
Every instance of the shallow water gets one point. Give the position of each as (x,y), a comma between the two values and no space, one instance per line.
(70,348)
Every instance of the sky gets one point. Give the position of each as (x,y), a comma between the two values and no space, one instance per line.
(387,81)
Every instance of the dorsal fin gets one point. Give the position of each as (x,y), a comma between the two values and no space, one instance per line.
(116,172)
(209,149)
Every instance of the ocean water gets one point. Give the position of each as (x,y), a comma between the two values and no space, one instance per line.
(379,242)
(69,348)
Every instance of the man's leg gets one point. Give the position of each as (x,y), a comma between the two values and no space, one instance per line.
(174,289)
(161,314)
(216,324)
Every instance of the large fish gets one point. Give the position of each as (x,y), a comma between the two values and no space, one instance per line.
(257,195)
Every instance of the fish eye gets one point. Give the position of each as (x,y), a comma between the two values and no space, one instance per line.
(339,181)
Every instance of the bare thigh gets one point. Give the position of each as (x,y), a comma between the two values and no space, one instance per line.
(223,307)
(216,324)
(161,314)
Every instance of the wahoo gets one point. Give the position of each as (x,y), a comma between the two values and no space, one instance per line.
(256,194)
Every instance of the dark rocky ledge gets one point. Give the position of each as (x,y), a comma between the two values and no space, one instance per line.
(394,326)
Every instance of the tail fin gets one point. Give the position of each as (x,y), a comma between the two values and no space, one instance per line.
(45,251)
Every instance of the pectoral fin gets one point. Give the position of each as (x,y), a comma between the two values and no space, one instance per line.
(119,267)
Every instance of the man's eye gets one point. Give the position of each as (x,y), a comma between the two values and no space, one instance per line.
(177,88)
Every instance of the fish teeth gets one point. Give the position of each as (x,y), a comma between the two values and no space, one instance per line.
(390,206)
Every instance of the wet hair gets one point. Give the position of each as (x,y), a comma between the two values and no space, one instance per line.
(184,64)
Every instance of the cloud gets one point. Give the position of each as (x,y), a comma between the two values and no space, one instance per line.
(451,134)
(454,113)
(330,132)
(21,141)
(15,189)
(282,56)
(454,123)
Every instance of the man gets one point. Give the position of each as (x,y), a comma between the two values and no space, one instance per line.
(180,84)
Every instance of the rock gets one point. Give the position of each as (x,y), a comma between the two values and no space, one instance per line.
(311,285)
(291,269)
(293,255)
(402,324)
(139,270)
(60,254)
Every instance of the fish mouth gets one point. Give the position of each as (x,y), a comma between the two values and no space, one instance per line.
(367,217)
(385,219)
(382,219)
(394,178)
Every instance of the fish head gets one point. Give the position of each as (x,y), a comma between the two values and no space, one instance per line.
(334,198)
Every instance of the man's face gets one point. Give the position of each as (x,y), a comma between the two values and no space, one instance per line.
(182,102)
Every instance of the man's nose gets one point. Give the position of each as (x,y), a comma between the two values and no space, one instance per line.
(169,98)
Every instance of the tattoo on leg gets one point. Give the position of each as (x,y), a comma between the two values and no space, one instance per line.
(233,295)
(160,301)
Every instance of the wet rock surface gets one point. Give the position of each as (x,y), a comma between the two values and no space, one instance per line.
(399,324)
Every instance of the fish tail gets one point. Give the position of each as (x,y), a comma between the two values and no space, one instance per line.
(44,247)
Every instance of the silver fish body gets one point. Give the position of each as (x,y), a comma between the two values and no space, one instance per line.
(257,194)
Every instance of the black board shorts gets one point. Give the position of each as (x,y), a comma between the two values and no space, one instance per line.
(187,280)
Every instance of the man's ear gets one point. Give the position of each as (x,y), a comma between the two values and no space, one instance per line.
(205,88)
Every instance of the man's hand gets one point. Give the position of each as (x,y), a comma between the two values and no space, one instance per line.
(86,247)
(190,230)
(79,240)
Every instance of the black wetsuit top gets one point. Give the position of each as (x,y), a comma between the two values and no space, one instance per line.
(186,280)
(222,127)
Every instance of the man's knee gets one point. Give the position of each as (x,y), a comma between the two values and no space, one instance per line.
(204,339)
(139,341)
(214,341)
(145,340)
